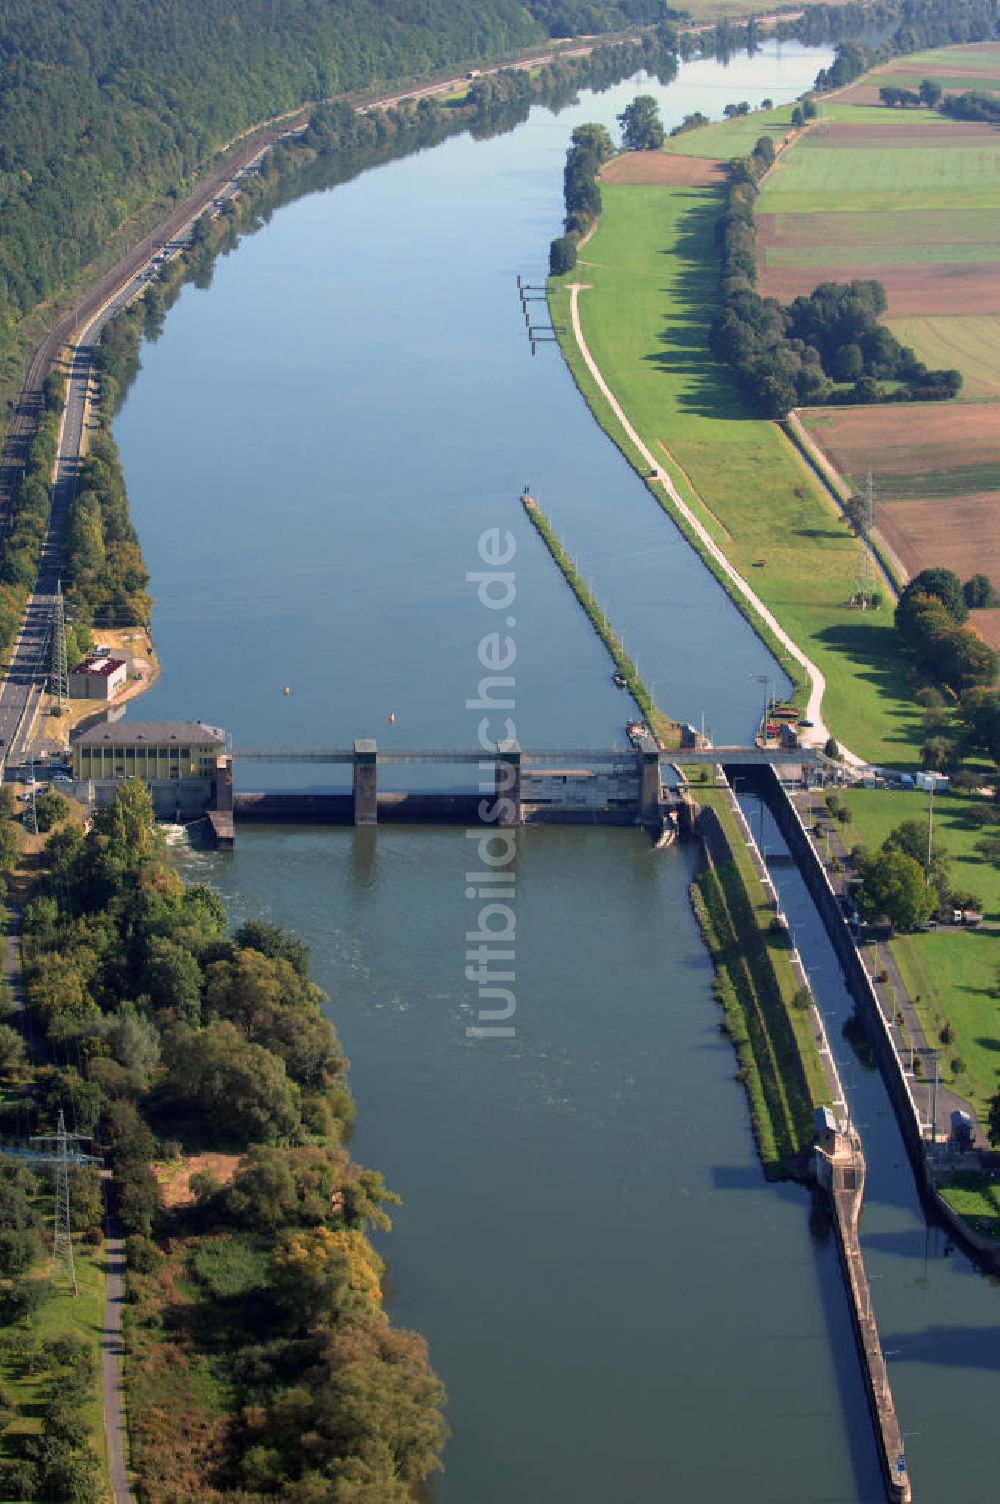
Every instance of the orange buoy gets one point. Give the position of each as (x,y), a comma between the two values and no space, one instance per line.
(287,690)
(392,717)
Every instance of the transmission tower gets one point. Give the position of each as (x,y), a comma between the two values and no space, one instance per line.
(59,1149)
(864,583)
(58,668)
(62,1238)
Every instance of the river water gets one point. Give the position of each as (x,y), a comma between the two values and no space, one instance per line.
(619,1305)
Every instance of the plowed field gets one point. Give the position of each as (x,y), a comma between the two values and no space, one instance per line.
(663,167)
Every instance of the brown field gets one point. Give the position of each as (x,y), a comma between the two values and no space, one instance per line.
(664,167)
(919,438)
(930,287)
(962,534)
(900,133)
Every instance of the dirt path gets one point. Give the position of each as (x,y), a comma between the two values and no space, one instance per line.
(817,682)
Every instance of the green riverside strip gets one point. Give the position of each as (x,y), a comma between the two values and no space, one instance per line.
(760,996)
(665,729)
(650,272)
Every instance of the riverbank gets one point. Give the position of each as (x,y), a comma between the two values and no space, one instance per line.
(650,271)
(269,1244)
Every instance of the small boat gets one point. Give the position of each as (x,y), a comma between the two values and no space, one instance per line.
(287,689)
(392,718)
(619,678)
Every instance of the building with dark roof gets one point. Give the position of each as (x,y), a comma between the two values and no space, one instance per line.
(99,677)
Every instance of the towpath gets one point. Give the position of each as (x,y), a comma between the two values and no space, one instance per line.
(817,683)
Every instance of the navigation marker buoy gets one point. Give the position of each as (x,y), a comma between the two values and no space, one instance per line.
(286,690)
(392,717)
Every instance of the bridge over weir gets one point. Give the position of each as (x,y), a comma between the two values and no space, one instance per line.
(562,785)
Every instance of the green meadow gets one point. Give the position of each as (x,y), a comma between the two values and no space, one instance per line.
(732,138)
(950,971)
(652,269)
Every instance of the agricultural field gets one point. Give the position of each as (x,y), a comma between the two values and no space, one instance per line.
(956,69)
(663,167)
(969,343)
(912,200)
(651,271)
(936,469)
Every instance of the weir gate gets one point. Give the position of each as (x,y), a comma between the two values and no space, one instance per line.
(569,786)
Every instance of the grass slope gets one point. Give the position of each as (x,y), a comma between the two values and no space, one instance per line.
(652,271)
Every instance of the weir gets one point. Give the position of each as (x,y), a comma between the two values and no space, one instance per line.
(556,786)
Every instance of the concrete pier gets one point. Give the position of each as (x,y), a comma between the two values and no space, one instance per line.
(365,783)
(840,1169)
(508,783)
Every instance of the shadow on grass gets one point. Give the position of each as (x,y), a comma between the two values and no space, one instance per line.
(871,649)
(985,1043)
(707,388)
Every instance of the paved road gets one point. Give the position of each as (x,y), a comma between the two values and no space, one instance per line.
(112,1352)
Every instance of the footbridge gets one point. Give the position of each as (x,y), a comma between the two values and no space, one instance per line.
(514,786)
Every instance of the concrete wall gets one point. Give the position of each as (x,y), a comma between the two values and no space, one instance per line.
(173,798)
(859,983)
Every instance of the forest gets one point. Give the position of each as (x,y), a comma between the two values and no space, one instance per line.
(106,105)
(255,1297)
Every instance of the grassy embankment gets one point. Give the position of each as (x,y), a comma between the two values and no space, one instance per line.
(652,272)
(977,1201)
(950,972)
(662,726)
(770,1028)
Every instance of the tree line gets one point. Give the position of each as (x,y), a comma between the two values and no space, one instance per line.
(168,1036)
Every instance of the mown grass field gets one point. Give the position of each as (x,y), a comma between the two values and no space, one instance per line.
(969,342)
(733,138)
(652,269)
(953,971)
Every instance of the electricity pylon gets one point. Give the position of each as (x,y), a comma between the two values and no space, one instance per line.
(58,667)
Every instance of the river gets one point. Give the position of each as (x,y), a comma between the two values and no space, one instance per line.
(618,1304)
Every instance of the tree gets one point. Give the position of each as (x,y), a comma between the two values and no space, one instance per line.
(764,149)
(979,592)
(594,139)
(993,1126)
(930,93)
(562,256)
(642,128)
(939,582)
(894,886)
(51,808)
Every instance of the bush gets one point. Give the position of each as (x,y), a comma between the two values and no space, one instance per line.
(142,1254)
(562,256)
